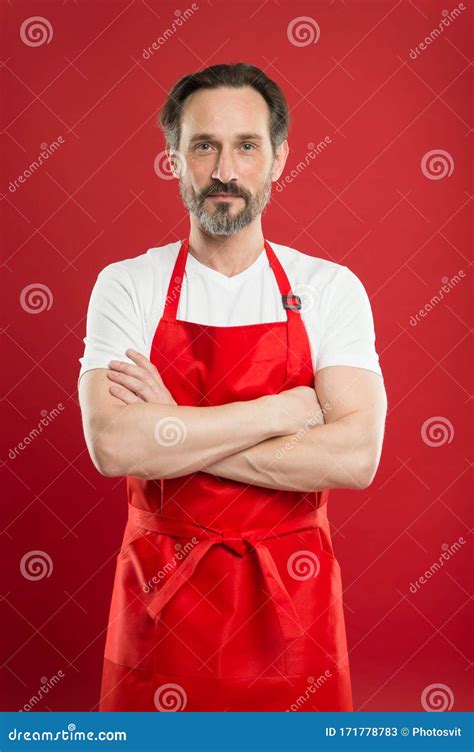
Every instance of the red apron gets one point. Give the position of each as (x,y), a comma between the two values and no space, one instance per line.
(227,596)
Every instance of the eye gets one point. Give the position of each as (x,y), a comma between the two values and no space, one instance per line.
(203,144)
(251,145)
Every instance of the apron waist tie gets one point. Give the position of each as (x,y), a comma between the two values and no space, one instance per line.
(238,541)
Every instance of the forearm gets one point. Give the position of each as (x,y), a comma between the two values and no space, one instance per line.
(342,454)
(165,441)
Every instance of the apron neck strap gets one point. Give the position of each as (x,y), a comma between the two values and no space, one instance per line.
(176,282)
(297,338)
(289,301)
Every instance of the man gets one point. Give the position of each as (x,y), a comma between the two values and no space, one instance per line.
(252,388)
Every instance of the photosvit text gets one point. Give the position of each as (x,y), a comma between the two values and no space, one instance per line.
(391,731)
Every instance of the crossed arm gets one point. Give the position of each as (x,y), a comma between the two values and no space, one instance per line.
(343,451)
(133,426)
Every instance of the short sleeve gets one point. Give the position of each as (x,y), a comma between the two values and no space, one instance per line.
(113,320)
(348,334)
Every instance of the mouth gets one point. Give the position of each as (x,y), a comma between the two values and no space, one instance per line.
(223,196)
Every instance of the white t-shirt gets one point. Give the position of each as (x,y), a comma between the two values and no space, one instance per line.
(128,298)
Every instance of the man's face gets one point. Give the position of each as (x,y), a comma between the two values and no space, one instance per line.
(226,162)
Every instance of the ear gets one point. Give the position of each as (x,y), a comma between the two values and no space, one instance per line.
(177,162)
(279,160)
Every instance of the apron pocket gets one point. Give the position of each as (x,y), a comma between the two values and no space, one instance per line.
(159,620)
(312,576)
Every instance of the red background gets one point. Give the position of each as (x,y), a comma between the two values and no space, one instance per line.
(364,202)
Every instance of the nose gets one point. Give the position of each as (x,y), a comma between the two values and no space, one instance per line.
(225,169)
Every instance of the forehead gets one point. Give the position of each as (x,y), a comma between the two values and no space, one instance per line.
(225,111)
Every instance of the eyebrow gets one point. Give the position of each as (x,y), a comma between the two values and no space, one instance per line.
(239,137)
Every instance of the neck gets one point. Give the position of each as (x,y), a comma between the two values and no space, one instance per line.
(227,255)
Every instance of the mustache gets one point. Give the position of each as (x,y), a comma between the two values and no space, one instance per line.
(229,189)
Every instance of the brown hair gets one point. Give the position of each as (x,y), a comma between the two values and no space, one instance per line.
(216,76)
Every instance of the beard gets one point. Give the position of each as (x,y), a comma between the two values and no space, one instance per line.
(220,221)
